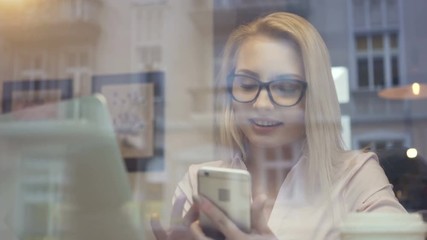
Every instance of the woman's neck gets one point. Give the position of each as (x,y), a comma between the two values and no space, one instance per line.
(287,155)
(269,167)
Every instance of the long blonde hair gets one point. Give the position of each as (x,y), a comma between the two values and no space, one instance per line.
(322,112)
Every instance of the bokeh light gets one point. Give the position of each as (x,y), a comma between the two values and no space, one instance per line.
(411,153)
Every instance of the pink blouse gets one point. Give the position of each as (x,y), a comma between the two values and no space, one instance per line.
(363,187)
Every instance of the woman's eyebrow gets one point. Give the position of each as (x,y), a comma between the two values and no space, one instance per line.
(248,72)
(280,76)
(289,76)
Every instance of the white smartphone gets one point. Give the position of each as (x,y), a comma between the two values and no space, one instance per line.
(230,191)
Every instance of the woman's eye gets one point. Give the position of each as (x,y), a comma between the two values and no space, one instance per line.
(249,87)
(245,83)
(286,88)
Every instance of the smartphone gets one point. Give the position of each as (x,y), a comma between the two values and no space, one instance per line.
(230,191)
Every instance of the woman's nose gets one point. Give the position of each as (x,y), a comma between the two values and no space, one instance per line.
(263,101)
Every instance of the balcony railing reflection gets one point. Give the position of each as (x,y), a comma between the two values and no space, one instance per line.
(47,19)
(368,106)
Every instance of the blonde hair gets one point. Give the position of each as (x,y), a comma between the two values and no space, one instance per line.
(322,112)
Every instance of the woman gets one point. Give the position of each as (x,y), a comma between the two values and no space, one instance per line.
(278,101)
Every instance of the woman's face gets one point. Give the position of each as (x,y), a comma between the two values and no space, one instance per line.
(264,123)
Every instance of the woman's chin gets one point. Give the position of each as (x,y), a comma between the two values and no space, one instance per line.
(271,142)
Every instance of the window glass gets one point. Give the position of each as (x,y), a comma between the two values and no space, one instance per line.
(361,43)
(109,108)
(379,72)
(363,76)
(395,71)
(394,41)
(377,42)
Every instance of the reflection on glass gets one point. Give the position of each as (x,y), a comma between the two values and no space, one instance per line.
(379,80)
(362,67)
(362,43)
(394,41)
(395,71)
(377,42)
(64,178)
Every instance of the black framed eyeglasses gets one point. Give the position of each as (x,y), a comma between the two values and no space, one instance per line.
(285,92)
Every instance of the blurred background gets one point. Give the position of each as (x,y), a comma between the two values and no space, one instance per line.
(52,50)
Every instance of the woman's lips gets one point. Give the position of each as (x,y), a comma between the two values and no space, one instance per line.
(264,125)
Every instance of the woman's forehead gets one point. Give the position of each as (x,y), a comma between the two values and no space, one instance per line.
(266,55)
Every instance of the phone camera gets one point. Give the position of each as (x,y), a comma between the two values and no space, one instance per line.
(206,174)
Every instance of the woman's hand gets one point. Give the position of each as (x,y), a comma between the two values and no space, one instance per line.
(179,226)
(260,229)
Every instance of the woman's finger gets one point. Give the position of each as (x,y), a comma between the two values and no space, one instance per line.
(157,228)
(177,209)
(192,214)
(258,221)
(197,231)
(220,220)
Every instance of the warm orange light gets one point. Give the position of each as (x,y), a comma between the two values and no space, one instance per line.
(416,89)
(413,91)
(11,2)
(11,10)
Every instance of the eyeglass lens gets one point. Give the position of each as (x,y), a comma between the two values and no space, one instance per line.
(284,92)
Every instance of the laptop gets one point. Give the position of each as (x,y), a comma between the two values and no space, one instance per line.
(62,175)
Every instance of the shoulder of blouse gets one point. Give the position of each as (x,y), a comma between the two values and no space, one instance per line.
(349,162)
(363,182)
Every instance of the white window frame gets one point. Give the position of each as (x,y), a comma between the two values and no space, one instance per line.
(30,72)
(385,31)
(148,21)
(80,71)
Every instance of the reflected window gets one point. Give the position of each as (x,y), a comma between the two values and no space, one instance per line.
(395,71)
(377,145)
(31,65)
(362,43)
(378,72)
(76,63)
(148,24)
(376,43)
(362,66)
